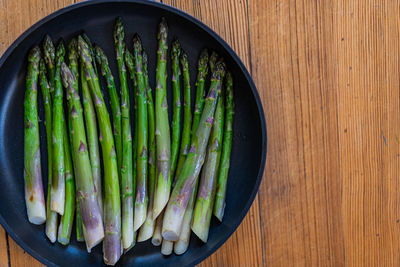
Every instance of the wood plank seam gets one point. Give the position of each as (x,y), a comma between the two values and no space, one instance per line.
(8,250)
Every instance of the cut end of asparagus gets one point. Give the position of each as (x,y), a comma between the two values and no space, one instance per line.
(147,230)
(219,213)
(63,240)
(170,235)
(156,240)
(38,216)
(180,247)
(140,216)
(167,247)
(57,201)
(112,249)
(201,232)
(132,244)
(51,235)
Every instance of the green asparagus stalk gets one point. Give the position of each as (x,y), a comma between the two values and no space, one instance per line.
(187,114)
(34,196)
(219,205)
(92,136)
(163,141)
(186,181)
(205,199)
(67,220)
(142,198)
(202,71)
(112,208)
(78,222)
(52,218)
(126,166)
(132,74)
(90,211)
(182,244)
(147,229)
(58,183)
(91,128)
(102,61)
(49,55)
(176,108)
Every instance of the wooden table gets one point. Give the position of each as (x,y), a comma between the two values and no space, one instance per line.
(328,75)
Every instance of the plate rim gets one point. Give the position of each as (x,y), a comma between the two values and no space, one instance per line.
(223,43)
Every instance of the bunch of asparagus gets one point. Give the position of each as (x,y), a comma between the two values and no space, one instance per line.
(153,185)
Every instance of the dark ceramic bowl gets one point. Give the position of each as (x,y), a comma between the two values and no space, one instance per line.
(96,18)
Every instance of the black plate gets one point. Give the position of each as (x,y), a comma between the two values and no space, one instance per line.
(96,18)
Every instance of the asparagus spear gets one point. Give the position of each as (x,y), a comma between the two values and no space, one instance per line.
(163,141)
(92,137)
(132,74)
(126,166)
(114,101)
(52,218)
(90,210)
(156,240)
(65,227)
(182,244)
(34,197)
(142,198)
(186,181)
(112,211)
(167,247)
(202,71)
(187,114)
(58,183)
(66,221)
(205,198)
(176,108)
(147,229)
(49,55)
(219,205)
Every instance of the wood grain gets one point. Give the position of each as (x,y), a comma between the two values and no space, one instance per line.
(328,75)
(3,248)
(244,247)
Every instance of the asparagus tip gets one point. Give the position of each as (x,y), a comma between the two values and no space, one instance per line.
(163,29)
(60,51)
(34,55)
(176,48)
(137,43)
(119,32)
